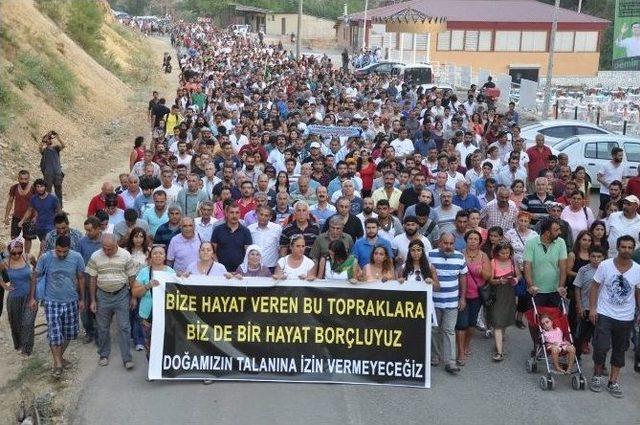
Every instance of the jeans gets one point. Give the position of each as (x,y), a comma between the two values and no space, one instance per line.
(108,306)
(87,317)
(54,180)
(443,346)
(136,328)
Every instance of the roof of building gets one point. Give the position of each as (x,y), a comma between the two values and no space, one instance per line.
(243,8)
(483,11)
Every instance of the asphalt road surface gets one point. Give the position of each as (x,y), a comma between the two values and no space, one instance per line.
(484,392)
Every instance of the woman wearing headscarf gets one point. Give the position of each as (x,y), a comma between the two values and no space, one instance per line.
(251,265)
(17,272)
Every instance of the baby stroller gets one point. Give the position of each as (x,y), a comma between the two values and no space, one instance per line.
(560,319)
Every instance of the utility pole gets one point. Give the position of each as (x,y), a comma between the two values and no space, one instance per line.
(579,6)
(552,42)
(364,26)
(299,26)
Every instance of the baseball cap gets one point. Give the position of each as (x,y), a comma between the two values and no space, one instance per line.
(633,199)
(557,205)
(314,145)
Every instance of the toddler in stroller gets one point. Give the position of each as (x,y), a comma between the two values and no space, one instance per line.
(556,344)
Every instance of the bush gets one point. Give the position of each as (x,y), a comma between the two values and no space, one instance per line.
(51,77)
(83,25)
(5,105)
(53,9)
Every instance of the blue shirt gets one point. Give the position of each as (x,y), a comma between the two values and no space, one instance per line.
(87,246)
(363,248)
(146,302)
(141,202)
(470,202)
(448,268)
(46,209)
(20,280)
(422,146)
(60,275)
(230,245)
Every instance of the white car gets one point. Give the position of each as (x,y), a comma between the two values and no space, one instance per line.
(592,151)
(557,130)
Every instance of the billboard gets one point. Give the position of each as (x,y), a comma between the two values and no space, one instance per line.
(626,35)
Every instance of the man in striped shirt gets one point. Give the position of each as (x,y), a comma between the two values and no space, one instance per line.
(451,269)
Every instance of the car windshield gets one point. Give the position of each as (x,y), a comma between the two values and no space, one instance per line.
(566,142)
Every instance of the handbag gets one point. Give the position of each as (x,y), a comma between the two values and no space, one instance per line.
(487,294)
(41,284)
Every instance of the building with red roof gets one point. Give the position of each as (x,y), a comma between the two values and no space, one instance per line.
(500,36)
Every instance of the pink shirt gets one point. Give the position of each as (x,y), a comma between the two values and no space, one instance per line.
(474,279)
(554,336)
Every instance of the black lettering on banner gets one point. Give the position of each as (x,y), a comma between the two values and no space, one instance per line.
(294,333)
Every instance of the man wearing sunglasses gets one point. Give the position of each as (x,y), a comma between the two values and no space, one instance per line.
(613,297)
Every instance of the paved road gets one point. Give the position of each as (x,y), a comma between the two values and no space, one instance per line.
(484,392)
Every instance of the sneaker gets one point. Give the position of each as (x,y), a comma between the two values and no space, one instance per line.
(88,339)
(139,347)
(488,333)
(103,361)
(56,372)
(435,361)
(452,369)
(614,389)
(128,365)
(595,384)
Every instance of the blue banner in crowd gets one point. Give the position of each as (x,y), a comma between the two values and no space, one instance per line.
(334,131)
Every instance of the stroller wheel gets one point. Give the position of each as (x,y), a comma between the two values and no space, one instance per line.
(575,382)
(583,383)
(543,383)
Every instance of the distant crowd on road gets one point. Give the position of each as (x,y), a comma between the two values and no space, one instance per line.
(261,164)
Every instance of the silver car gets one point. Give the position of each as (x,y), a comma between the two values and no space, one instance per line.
(556,130)
(592,151)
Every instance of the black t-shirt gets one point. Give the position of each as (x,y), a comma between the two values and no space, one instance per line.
(409,197)
(159,112)
(50,161)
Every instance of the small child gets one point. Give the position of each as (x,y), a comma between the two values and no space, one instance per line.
(582,285)
(555,343)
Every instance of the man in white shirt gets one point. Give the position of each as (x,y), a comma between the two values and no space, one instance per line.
(210,179)
(171,189)
(205,223)
(630,44)
(437,110)
(467,146)
(403,145)
(625,222)
(400,243)
(266,234)
(367,211)
(238,139)
(612,304)
(183,156)
(610,172)
(133,191)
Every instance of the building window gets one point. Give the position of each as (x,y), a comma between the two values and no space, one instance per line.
(564,41)
(586,41)
(407,41)
(484,41)
(507,41)
(457,40)
(421,41)
(471,41)
(534,41)
(444,40)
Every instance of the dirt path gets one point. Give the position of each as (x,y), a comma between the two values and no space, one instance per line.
(23,377)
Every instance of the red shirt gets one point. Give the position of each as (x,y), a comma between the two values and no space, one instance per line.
(97,203)
(367,174)
(633,186)
(20,201)
(537,161)
(245,208)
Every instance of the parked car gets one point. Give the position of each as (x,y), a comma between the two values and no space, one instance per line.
(376,68)
(556,130)
(418,74)
(592,151)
